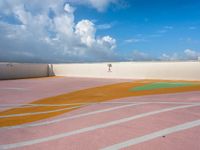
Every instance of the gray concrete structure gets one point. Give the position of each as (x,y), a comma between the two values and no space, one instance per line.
(22,70)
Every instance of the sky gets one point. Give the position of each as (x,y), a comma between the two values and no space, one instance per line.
(58,31)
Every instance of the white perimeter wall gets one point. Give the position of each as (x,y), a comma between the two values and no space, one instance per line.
(20,70)
(132,70)
(121,70)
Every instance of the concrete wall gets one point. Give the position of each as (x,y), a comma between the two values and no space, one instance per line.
(121,70)
(132,70)
(20,70)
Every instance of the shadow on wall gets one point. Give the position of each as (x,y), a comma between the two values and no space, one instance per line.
(50,70)
(25,70)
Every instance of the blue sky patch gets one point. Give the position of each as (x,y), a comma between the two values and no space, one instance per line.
(112,30)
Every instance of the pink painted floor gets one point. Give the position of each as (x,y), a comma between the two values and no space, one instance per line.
(27,90)
(111,124)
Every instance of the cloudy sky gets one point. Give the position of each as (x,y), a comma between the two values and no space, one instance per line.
(99,30)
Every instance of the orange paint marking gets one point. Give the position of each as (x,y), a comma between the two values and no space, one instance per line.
(96,94)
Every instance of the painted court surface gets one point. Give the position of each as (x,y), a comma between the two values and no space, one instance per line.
(87,114)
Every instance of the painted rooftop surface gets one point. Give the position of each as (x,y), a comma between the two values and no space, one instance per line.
(159,85)
(86,113)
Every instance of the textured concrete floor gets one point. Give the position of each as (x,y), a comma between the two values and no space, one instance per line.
(150,121)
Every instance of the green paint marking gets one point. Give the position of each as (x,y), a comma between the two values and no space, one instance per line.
(159,85)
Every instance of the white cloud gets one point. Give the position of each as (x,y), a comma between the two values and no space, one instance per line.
(173,57)
(137,55)
(191,40)
(64,24)
(191,54)
(135,40)
(99,5)
(165,29)
(187,54)
(86,31)
(107,41)
(68,9)
(51,38)
(21,14)
(104,26)
(165,57)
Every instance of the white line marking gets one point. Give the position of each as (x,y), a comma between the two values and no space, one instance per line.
(37,113)
(14,88)
(154,135)
(71,117)
(82,104)
(39,105)
(154,102)
(69,104)
(86,114)
(87,129)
